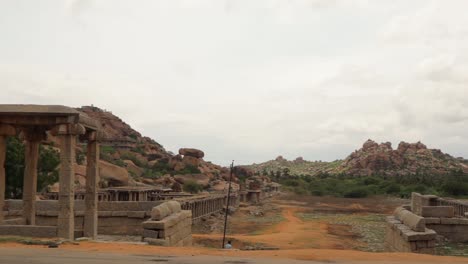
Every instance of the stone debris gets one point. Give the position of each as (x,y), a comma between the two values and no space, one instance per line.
(168,226)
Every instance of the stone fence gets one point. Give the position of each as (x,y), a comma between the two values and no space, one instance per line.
(407,232)
(413,228)
(115,218)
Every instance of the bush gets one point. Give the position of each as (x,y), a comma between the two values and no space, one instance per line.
(357,192)
(393,188)
(190,169)
(192,187)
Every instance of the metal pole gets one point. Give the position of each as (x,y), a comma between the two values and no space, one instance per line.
(227,206)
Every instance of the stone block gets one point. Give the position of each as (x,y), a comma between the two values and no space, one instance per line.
(413,221)
(79,213)
(453,221)
(430,251)
(415,236)
(431,243)
(157,242)
(150,233)
(105,213)
(136,214)
(51,213)
(421,243)
(432,220)
(29,231)
(438,211)
(160,212)
(119,213)
(174,206)
(187,242)
(153,225)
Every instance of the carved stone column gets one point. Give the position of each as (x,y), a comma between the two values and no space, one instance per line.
(5,130)
(66,219)
(31,156)
(91,196)
(2,175)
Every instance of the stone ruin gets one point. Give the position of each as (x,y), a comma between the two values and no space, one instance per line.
(169,226)
(429,218)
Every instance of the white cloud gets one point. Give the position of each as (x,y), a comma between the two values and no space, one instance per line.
(249,80)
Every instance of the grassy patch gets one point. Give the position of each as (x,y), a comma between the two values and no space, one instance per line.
(453,249)
(264,222)
(370,227)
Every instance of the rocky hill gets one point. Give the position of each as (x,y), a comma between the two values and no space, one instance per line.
(130,159)
(372,159)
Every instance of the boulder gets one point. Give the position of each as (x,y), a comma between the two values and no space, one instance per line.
(191,161)
(196,153)
(201,179)
(131,167)
(113,174)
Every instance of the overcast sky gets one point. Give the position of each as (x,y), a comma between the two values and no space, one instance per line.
(249,79)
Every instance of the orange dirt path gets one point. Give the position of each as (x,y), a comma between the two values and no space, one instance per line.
(292,233)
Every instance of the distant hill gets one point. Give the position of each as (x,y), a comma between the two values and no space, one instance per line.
(373,159)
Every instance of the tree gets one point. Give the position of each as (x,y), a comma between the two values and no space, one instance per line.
(14,168)
(47,172)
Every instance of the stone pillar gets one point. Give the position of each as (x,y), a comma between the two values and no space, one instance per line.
(2,175)
(91,196)
(31,156)
(66,223)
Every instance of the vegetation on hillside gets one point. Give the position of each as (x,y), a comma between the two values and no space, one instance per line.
(453,184)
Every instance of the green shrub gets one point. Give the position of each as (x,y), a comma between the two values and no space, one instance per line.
(189,169)
(192,187)
(356,192)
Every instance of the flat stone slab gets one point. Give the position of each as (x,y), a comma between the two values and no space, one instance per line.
(438,211)
(28,231)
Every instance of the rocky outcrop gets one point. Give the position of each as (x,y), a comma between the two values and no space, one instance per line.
(191,152)
(407,159)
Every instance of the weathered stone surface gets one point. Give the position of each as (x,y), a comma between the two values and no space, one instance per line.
(136,214)
(429,234)
(174,206)
(150,233)
(413,221)
(454,221)
(196,153)
(157,242)
(115,175)
(438,211)
(160,212)
(432,220)
(29,231)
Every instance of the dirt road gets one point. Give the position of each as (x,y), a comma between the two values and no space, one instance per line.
(291,233)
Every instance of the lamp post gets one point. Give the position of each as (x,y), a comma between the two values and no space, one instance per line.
(227,206)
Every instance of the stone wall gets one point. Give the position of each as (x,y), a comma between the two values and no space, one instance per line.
(169,226)
(115,218)
(407,232)
(439,216)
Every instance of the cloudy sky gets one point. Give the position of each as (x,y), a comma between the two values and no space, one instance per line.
(249,79)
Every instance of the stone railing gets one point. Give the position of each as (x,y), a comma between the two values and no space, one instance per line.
(407,232)
(460,209)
